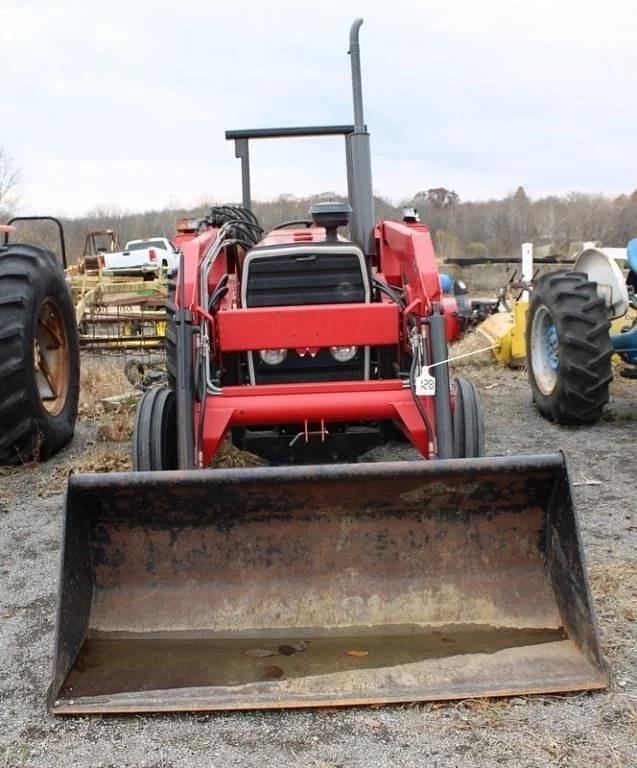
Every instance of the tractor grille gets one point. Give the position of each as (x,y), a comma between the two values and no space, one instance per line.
(307,278)
(303,277)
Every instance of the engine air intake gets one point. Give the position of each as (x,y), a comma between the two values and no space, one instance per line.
(331,216)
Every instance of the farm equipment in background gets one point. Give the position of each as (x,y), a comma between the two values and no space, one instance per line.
(117,312)
(96,243)
(39,351)
(576,322)
(505,327)
(186,229)
(505,322)
(185,588)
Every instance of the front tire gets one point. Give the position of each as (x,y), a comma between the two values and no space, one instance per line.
(155,431)
(39,355)
(468,422)
(568,348)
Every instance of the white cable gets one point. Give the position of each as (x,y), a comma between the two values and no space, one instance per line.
(464,354)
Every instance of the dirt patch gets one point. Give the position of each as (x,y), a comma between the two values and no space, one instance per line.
(471,352)
(103,378)
(117,427)
(615,588)
(107,457)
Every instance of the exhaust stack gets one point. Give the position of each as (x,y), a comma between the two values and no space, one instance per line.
(359,156)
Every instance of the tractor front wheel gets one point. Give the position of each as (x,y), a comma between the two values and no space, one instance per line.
(568,348)
(155,431)
(468,422)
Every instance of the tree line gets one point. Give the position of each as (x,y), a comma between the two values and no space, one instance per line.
(460,228)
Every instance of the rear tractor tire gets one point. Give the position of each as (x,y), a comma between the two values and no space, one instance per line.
(39,355)
(468,422)
(568,348)
(155,431)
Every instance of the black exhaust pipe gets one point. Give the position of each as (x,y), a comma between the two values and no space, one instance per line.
(359,156)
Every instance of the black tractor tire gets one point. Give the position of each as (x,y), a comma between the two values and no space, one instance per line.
(170,341)
(468,422)
(568,348)
(39,355)
(155,431)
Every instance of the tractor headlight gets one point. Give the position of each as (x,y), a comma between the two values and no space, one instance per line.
(343,354)
(273,356)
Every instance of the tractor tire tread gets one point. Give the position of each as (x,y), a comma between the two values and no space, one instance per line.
(12,401)
(585,350)
(468,421)
(155,433)
(29,275)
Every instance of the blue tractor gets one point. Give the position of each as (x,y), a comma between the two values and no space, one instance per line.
(568,333)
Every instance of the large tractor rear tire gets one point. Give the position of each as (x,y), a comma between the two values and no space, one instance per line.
(155,432)
(468,422)
(568,348)
(39,355)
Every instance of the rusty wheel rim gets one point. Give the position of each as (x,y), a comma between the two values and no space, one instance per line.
(51,357)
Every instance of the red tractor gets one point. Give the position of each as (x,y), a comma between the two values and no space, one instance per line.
(449,579)
(304,344)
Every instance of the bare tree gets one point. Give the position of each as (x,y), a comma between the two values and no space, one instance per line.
(10,177)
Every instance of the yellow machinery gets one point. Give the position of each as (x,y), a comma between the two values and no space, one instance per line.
(506,329)
(118,313)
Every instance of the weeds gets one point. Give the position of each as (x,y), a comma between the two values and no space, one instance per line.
(614,586)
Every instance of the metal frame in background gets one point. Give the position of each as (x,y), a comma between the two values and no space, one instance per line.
(57,222)
(357,153)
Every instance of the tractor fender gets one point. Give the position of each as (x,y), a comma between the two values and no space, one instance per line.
(602,268)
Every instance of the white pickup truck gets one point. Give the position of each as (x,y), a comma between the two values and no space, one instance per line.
(141,256)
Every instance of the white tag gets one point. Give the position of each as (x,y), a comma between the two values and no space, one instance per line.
(425,384)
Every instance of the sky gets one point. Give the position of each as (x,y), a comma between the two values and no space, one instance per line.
(122,105)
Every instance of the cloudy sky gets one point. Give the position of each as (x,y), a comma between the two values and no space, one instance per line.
(123,104)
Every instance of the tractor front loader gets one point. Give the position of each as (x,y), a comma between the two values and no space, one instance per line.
(334,582)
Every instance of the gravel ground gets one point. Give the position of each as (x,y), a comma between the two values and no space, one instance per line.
(578,730)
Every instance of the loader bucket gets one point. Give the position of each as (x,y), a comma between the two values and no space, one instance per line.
(323,585)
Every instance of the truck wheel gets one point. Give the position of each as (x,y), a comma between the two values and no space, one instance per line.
(155,432)
(468,422)
(39,355)
(568,348)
